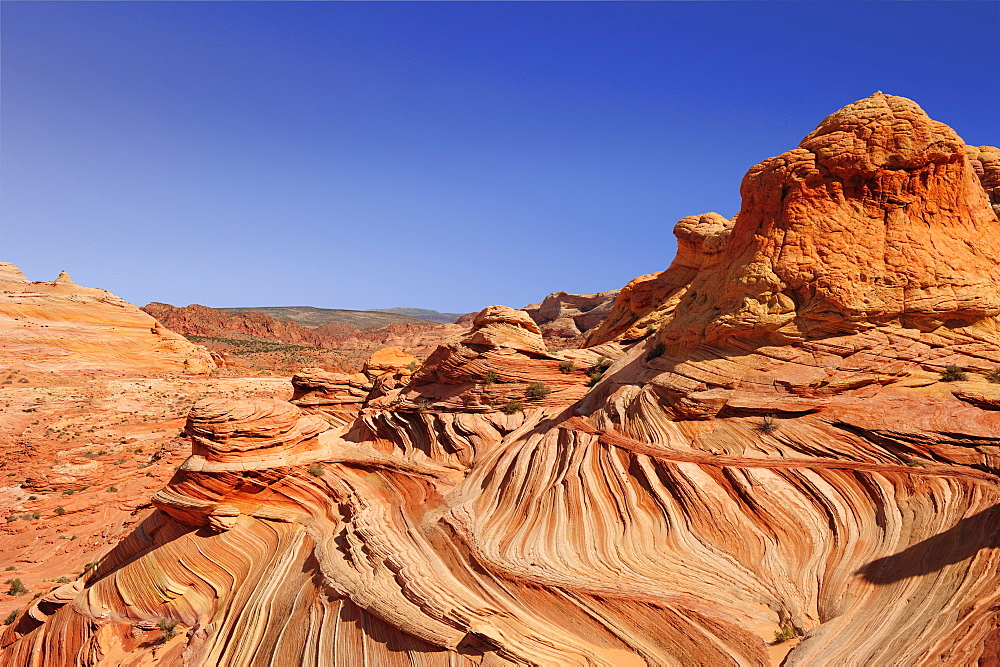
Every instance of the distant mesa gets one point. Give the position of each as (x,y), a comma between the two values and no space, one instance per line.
(257,339)
(357,319)
(422,313)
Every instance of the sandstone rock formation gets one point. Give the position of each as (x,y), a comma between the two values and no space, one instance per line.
(790,433)
(878,217)
(47,326)
(562,315)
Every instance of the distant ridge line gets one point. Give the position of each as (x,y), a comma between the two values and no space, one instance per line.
(311,316)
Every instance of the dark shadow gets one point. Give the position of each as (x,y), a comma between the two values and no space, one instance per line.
(958,543)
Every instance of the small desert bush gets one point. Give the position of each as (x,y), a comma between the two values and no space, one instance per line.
(10,617)
(316,470)
(953,373)
(60,510)
(491,377)
(512,407)
(168,626)
(567,367)
(786,632)
(9,568)
(17,588)
(536,391)
(112,489)
(994,375)
(595,377)
(766,425)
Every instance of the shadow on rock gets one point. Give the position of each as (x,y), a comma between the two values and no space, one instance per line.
(958,543)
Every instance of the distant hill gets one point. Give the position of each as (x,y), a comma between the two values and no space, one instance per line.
(314,317)
(422,313)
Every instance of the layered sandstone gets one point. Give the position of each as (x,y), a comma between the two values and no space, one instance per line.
(878,217)
(778,441)
(49,326)
(567,316)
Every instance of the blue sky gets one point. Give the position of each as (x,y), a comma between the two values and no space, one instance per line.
(440,155)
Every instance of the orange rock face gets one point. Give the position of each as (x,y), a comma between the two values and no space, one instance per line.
(879,216)
(48,326)
(789,434)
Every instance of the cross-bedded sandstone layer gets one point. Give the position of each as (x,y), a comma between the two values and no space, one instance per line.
(59,325)
(792,431)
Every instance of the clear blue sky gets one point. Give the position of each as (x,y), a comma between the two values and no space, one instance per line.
(439,155)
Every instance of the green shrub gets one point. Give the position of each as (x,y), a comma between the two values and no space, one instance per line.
(9,568)
(994,375)
(602,364)
(316,470)
(567,367)
(595,377)
(60,510)
(650,329)
(112,489)
(17,588)
(512,407)
(412,366)
(10,617)
(89,566)
(786,632)
(657,351)
(491,377)
(536,391)
(168,627)
(953,373)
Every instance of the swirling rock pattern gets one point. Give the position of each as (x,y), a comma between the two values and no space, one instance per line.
(793,452)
